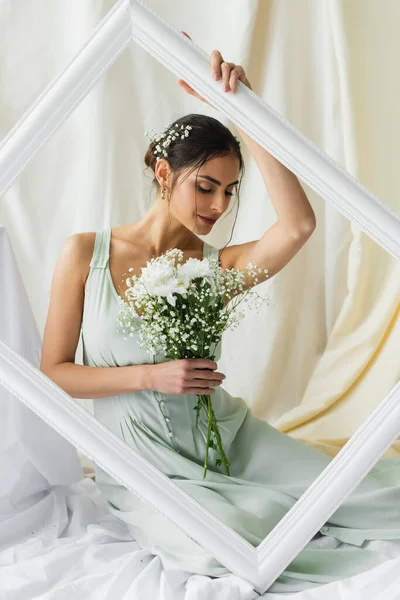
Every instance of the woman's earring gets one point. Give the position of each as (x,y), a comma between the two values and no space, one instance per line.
(163,193)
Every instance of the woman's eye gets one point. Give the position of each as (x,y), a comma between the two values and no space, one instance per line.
(206,191)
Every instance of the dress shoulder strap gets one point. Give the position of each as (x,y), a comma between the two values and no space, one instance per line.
(101,251)
(210,251)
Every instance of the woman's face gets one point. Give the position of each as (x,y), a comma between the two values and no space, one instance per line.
(210,197)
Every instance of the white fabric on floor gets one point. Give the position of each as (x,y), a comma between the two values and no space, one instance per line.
(95,558)
(57,537)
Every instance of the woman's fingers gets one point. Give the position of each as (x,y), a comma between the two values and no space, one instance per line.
(215,62)
(205,377)
(229,71)
(226,74)
(206,372)
(233,79)
(202,391)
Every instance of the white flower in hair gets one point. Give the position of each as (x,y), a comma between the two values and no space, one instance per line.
(170,134)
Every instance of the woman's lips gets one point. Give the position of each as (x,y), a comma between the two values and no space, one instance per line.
(209,221)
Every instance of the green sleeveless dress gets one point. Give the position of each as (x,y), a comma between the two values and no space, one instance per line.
(269,469)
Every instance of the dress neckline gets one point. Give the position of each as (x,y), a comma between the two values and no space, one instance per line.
(108,271)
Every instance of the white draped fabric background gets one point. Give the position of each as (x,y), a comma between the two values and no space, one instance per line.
(332,331)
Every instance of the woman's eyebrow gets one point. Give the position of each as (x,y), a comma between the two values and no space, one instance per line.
(216,180)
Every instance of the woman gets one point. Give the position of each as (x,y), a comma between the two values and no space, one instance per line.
(149,401)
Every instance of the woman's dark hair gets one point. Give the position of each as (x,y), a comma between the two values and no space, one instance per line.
(208,139)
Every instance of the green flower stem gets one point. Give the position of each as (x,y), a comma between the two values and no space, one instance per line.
(205,402)
(207,444)
(219,441)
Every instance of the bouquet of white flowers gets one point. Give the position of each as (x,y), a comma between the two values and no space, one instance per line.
(182,312)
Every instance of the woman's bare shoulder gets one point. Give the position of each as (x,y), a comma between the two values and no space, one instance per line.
(77,251)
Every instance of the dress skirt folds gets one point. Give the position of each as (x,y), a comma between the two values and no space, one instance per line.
(269,469)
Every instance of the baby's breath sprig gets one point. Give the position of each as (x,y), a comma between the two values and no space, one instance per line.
(170,134)
(182,310)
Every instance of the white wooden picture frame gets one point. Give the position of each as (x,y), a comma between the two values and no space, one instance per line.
(133,21)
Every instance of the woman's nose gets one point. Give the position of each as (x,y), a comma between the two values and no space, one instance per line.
(221,202)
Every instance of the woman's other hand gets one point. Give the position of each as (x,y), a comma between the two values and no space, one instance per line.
(229,72)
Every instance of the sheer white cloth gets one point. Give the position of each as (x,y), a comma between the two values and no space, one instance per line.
(33,456)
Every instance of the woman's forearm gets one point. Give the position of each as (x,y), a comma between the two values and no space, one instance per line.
(284,189)
(81,381)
